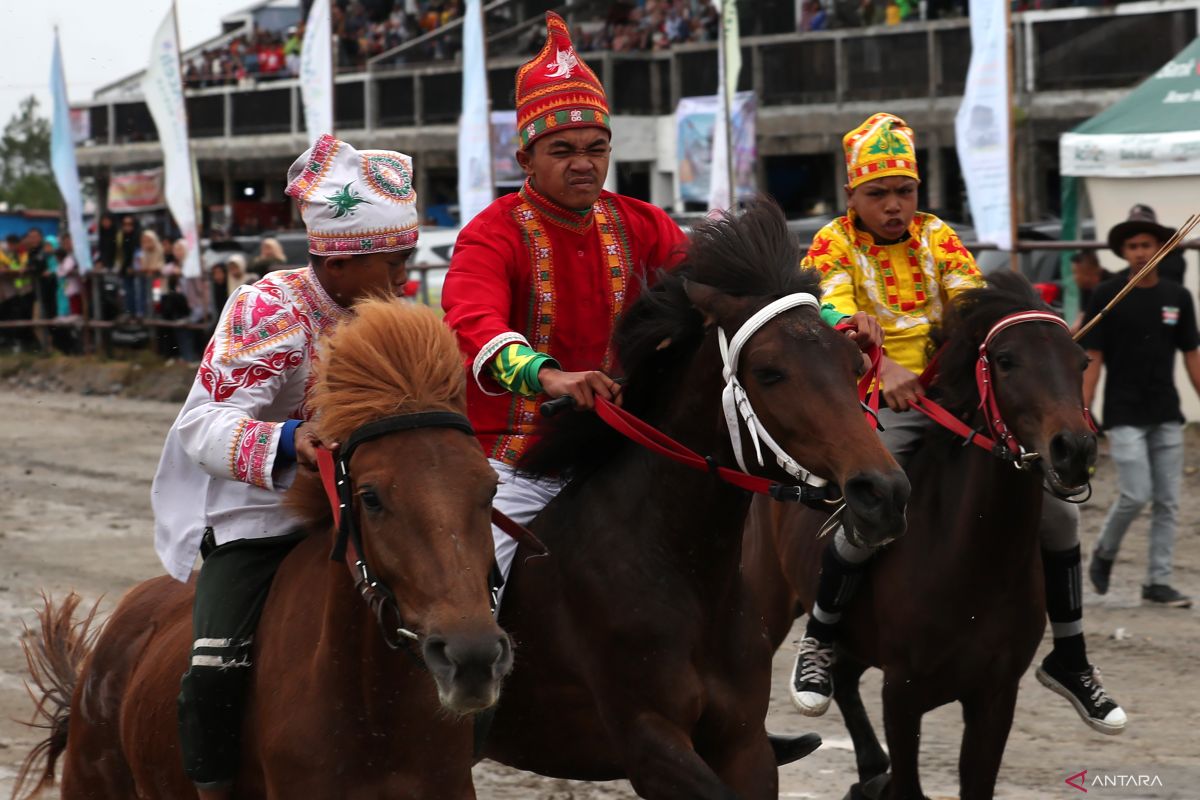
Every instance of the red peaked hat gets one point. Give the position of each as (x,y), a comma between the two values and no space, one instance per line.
(557,89)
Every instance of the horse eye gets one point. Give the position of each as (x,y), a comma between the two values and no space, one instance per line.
(370,500)
(1004,361)
(768,377)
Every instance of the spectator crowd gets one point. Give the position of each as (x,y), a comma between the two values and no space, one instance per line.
(630,25)
(264,55)
(137,278)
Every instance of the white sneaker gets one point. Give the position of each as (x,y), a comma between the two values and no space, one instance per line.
(812,685)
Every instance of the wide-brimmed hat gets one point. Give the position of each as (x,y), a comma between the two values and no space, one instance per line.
(1142,219)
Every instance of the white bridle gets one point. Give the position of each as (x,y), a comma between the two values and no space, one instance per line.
(735,401)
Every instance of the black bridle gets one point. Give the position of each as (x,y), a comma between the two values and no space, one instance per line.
(335,474)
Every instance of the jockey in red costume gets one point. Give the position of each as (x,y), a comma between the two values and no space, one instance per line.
(539,277)
(236,444)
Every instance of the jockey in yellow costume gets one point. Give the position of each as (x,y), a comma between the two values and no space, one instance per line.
(903,266)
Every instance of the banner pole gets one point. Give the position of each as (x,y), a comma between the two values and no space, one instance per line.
(187,137)
(1009,68)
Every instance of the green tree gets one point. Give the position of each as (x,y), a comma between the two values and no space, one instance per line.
(26,178)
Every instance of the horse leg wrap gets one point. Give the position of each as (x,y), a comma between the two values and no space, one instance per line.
(211,699)
(1064,605)
(840,577)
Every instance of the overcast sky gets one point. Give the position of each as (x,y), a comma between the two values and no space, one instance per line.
(102,41)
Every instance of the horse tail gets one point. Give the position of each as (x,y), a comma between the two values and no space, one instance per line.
(54,654)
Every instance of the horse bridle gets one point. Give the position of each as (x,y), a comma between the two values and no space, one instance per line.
(736,402)
(999,430)
(335,473)
(1002,443)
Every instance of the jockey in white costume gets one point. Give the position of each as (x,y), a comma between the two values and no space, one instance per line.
(241,435)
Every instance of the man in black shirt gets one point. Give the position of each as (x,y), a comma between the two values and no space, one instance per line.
(1137,342)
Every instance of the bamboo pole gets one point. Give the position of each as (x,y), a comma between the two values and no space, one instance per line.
(1142,273)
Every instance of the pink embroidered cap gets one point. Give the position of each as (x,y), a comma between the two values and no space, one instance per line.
(354,201)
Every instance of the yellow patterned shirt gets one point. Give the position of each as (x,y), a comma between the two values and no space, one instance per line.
(905,285)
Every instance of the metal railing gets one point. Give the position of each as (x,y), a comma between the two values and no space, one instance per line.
(1069,50)
(97,333)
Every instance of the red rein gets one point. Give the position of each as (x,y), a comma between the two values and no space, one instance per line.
(1002,440)
(641,432)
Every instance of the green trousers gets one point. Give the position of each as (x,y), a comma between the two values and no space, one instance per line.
(231,591)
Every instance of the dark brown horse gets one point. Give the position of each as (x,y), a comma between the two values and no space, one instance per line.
(639,651)
(955,609)
(334,711)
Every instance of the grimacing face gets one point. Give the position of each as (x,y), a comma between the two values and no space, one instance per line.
(569,167)
(884,206)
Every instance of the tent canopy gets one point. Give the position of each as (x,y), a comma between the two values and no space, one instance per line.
(1153,131)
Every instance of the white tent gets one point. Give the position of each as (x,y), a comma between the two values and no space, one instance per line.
(1143,149)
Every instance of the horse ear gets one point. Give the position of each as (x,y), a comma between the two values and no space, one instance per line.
(711,302)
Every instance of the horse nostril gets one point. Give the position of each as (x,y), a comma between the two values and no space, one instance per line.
(1068,449)
(436,655)
(504,657)
(1060,449)
(864,492)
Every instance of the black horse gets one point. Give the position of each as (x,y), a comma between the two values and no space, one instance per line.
(640,653)
(955,609)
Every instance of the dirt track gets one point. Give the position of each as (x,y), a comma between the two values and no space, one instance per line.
(76,515)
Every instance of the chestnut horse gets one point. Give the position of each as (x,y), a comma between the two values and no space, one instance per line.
(955,609)
(640,653)
(334,710)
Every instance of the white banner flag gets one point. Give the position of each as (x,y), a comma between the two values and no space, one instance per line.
(316,72)
(62,161)
(982,126)
(163,88)
(475,191)
(729,69)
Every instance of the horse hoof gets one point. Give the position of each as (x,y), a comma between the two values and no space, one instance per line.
(793,748)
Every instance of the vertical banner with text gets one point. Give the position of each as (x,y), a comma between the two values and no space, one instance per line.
(475,190)
(162,86)
(729,69)
(696,126)
(316,72)
(983,123)
(62,161)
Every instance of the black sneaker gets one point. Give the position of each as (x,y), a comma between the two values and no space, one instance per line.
(812,685)
(1164,595)
(1085,692)
(1098,570)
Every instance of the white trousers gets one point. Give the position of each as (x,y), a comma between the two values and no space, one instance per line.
(520,498)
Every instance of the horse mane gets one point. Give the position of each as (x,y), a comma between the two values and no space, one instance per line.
(752,254)
(968,319)
(390,358)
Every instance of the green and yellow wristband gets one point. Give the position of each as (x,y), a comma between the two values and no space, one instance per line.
(516,369)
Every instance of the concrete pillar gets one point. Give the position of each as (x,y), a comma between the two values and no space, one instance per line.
(422,181)
(370,102)
(418,100)
(841,70)
(933,171)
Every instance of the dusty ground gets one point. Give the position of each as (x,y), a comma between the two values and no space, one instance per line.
(76,471)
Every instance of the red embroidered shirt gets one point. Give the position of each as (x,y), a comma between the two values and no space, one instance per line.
(528,271)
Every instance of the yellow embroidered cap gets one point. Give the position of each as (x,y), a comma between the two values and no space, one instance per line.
(881,146)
